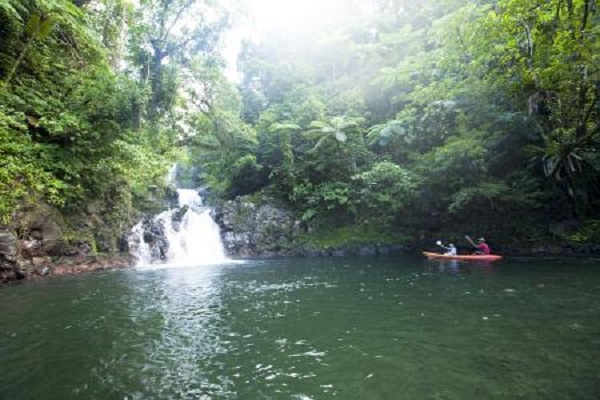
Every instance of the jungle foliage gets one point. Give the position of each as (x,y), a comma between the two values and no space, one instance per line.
(409,116)
(430,115)
(90,108)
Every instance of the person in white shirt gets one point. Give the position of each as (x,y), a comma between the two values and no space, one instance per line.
(450,250)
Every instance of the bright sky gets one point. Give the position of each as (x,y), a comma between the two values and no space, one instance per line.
(283,16)
(288,14)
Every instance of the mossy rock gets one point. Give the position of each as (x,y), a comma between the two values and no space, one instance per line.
(351,235)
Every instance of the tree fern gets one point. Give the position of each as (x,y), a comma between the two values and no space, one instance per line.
(12,9)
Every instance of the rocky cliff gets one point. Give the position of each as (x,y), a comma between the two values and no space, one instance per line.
(267,228)
(257,229)
(41,241)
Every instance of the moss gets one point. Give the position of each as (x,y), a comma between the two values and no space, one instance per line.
(331,237)
(243,214)
(588,233)
(94,247)
(257,198)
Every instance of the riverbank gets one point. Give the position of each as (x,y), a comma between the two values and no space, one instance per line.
(39,267)
(42,267)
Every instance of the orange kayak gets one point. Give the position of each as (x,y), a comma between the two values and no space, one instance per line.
(470,257)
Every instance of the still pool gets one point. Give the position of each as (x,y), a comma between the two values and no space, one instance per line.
(363,328)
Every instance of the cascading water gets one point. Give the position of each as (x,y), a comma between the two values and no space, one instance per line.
(186,235)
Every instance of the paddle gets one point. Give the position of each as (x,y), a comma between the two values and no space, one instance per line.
(470,241)
(439,243)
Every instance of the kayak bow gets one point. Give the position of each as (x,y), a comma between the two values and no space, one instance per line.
(470,257)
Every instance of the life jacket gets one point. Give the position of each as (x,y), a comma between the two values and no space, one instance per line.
(484,248)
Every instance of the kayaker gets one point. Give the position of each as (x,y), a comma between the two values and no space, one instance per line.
(481,247)
(451,250)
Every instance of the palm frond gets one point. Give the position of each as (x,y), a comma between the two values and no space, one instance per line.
(12,9)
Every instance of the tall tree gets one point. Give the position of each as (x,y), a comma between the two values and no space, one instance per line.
(166,34)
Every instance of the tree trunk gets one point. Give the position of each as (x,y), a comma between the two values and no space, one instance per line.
(18,62)
(156,84)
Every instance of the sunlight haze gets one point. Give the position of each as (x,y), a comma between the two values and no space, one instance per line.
(286,17)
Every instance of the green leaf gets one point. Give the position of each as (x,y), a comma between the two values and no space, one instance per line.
(341,136)
(33,25)
(46,28)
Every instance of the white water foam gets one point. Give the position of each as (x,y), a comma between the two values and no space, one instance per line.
(195,240)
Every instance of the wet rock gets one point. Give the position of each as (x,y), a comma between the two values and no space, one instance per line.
(310,252)
(123,243)
(44,232)
(204,192)
(339,253)
(105,239)
(25,266)
(564,228)
(7,275)
(250,229)
(84,264)
(367,251)
(41,261)
(397,249)
(155,237)
(177,217)
(393,249)
(8,245)
(383,250)
(9,250)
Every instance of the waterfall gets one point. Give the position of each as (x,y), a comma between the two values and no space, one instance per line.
(186,235)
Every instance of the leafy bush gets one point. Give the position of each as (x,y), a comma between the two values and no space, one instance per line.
(383,192)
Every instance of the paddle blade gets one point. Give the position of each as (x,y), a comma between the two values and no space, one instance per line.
(470,240)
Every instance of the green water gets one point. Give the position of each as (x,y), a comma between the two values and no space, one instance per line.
(390,328)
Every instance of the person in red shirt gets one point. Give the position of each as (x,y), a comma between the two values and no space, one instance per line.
(482,247)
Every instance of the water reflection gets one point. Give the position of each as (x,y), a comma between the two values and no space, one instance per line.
(456,266)
(449,266)
(486,266)
(351,328)
(178,331)
(65,337)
